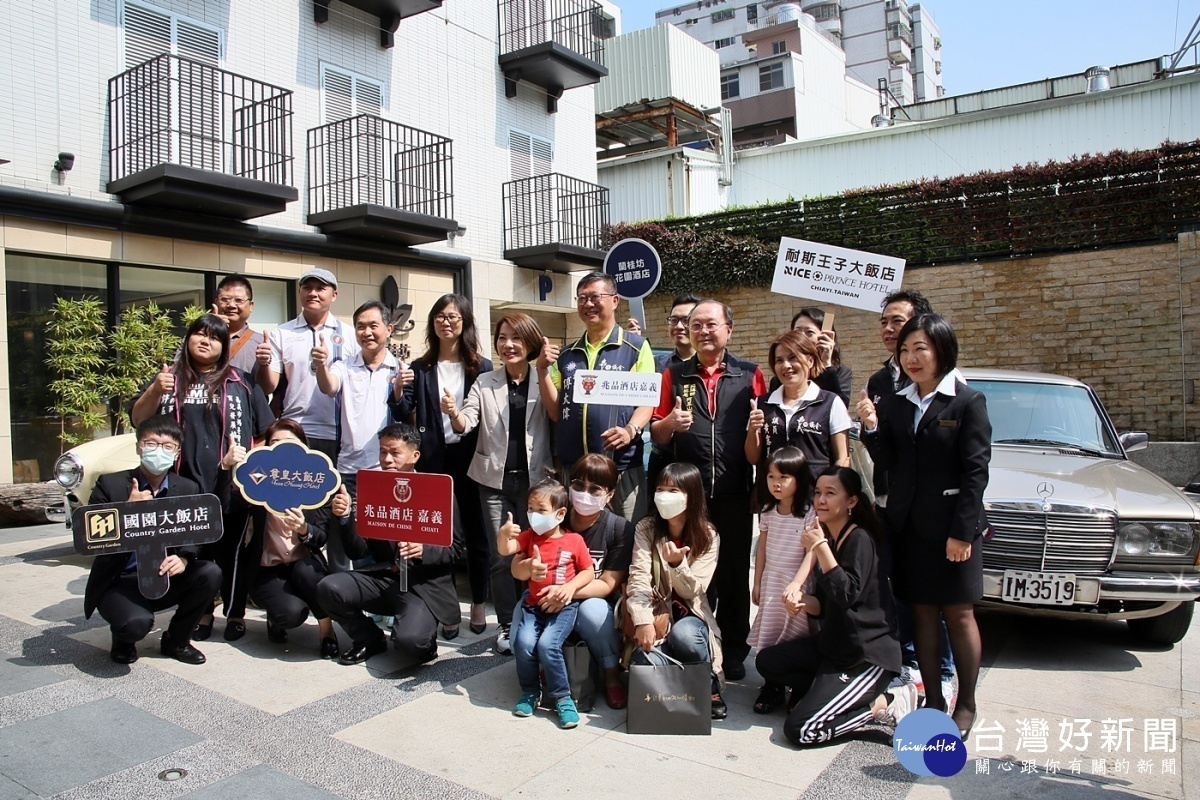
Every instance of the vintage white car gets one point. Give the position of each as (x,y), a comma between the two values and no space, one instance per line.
(77,469)
(1076,528)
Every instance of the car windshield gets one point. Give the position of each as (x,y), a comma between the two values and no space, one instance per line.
(1047,413)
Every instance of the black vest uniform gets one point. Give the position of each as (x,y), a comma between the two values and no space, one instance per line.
(808,430)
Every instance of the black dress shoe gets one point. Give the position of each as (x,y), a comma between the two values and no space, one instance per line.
(234,629)
(329,648)
(361,652)
(719,709)
(735,670)
(202,631)
(480,628)
(181,652)
(279,635)
(123,652)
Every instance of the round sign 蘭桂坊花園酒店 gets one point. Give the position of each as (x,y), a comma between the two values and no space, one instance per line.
(635,267)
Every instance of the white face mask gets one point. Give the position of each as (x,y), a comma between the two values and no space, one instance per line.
(586,504)
(670,504)
(544,523)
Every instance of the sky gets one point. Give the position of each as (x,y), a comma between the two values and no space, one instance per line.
(987,44)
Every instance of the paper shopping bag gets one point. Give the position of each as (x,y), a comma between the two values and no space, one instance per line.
(670,699)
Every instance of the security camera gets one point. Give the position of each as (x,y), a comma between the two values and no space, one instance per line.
(66,161)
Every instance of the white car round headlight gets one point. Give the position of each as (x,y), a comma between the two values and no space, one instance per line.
(1134,539)
(68,472)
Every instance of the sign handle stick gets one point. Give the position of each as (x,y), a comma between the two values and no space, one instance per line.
(637,310)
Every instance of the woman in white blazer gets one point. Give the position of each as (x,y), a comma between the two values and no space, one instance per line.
(513,445)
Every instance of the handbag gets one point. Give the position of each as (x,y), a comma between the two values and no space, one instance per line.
(580,674)
(658,602)
(672,698)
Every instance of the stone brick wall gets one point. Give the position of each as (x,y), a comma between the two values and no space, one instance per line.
(1126,321)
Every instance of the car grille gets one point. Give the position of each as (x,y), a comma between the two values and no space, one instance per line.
(1064,538)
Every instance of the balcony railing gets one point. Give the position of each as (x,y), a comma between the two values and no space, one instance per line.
(173,110)
(574,24)
(366,159)
(554,218)
(554,44)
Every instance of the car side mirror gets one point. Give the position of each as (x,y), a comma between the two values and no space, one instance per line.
(1133,442)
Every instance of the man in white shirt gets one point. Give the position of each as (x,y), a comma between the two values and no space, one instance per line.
(288,352)
(363,383)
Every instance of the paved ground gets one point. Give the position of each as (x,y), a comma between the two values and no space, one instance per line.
(265,721)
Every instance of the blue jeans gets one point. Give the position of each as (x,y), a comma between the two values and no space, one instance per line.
(537,638)
(908,654)
(595,626)
(687,643)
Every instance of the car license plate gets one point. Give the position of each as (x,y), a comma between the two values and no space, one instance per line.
(1038,588)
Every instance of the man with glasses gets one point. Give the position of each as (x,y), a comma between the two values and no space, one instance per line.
(583,428)
(702,419)
(680,337)
(235,303)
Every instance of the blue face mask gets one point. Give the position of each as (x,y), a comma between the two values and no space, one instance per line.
(157,461)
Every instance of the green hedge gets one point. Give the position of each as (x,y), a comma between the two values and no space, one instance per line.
(1087,202)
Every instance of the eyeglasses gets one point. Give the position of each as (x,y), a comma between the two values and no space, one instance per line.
(232,301)
(590,488)
(673,321)
(150,447)
(586,299)
(710,327)
(449,319)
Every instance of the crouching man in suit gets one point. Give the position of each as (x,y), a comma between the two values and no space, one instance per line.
(112,587)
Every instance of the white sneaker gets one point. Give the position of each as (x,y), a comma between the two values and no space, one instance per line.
(904,700)
(950,693)
(908,675)
(503,645)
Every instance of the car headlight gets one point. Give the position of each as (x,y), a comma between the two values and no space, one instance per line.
(68,471)
(1141,539)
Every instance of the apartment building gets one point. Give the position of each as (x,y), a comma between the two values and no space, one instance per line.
(149,147)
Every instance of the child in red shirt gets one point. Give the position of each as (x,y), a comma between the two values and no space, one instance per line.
(560,566)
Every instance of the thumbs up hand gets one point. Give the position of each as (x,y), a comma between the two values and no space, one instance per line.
(866,412)
(216,312)
(548,355)
(234,455)
(757,418)
(341,502)
(449,404)
(510,530)
(678,419)
(165,380)
(537,568)
(136,494)
(403,378)
(320,353)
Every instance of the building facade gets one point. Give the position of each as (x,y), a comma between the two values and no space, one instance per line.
(149,148)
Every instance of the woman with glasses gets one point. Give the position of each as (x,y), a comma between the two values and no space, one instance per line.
(503,413)
(449,368)
(609,539)
(222,413)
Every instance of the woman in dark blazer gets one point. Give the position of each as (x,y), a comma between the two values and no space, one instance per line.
(452,363)
(934,440)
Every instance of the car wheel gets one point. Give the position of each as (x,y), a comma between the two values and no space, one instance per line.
(1168,628)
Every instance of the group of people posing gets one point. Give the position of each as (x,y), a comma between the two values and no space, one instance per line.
(566,526)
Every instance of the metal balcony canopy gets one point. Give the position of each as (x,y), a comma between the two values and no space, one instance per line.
(390,12)
(555,222)
(554,44)
(374,178)
(186,135)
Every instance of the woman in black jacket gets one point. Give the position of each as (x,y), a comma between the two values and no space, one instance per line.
(934,439)
(453,360)
(839,677)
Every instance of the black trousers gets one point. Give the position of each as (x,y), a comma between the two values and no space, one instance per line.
(346,595)
(469,515)
(835,701)
(132,616)
(287,592)
(729,592)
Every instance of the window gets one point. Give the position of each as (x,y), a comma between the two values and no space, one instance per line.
(752,12)
(722,15)
(151,32)
(529,155)
(770,77)
(730,86)
(345,94)
(778,47)
(728,41)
